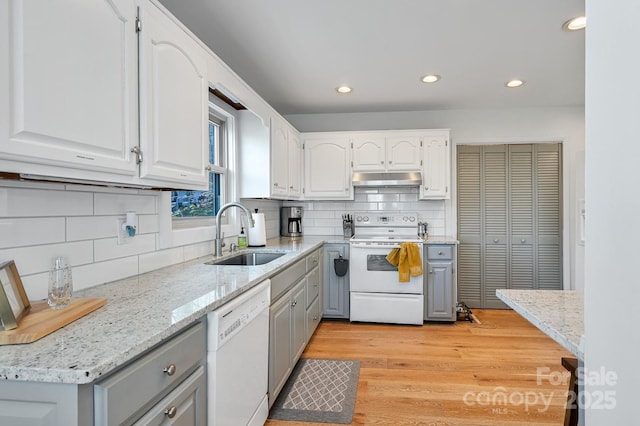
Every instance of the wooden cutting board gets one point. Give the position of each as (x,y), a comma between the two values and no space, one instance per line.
(42,320)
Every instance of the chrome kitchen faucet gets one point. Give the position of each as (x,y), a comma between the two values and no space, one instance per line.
(219,242)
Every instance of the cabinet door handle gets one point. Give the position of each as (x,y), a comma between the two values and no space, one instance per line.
(171,411)
(170,370)
(382,162)
(431,271)
(426,188)
(439,253)
(315,317)
(275,183)
(291,187)
(523,241)
(496,241)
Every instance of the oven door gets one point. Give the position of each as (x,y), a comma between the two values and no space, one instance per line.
(370,272)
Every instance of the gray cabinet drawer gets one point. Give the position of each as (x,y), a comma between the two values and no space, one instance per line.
(283,281)
(313,286)
(133,387)
(313,260)
(439,252)
(184,406)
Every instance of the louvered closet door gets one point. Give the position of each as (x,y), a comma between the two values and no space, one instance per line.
(509,220)
(549,214)
(469,229)
(494,221)
(521,194)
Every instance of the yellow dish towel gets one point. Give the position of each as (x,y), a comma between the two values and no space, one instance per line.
(407,259)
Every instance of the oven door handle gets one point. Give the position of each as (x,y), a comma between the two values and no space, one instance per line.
(374,246)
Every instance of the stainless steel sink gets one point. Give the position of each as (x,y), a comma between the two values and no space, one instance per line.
(248,259)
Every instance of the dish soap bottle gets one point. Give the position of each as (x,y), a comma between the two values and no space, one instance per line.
(242,239)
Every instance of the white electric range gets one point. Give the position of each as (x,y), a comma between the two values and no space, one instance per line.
(376,294)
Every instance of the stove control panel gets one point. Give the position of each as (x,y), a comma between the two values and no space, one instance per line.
(389,219)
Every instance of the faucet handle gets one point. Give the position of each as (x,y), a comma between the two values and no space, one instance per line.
(222,243)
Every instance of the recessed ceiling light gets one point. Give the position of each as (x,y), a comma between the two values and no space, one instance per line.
(514,83)
(430,78)
(575,24)
(344,89)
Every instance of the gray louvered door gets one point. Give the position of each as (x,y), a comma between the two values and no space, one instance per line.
(509,220)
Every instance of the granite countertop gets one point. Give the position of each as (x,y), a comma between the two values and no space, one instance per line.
(141,311)
(559,314)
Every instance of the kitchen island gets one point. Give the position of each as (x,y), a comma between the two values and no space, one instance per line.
(559,314)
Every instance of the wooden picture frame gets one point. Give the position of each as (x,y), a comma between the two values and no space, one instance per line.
(14,303)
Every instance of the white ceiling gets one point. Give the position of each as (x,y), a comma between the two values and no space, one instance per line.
(294,53)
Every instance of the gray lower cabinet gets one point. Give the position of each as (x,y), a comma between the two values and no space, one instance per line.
(440,283)
(293,316)
(165,385)
(335,288)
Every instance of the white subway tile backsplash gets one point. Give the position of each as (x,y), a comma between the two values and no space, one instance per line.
(147,223)
(119,204)
(103,272)
(108,248)
(374,198)
(31,231)
(319,214)
(18,202)
(36,285)
(158,259)
(36,259)
(91,227)
(195,251)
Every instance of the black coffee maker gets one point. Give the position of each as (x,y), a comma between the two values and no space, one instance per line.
(291,221)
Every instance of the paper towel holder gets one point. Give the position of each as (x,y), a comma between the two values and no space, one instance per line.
(257,234)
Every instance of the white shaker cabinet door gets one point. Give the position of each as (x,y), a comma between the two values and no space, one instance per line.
(173,102)
(403,153)
(68,78)
(435,176)
(369,153)
(279,159)
(295,164)
(327,168)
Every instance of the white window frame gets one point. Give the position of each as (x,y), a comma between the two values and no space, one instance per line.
(194,230)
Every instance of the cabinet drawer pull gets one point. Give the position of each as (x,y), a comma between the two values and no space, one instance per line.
(382,162)
(171,411)
(440,253)
(431,271)
(523,241)
(496,241)
(170,370)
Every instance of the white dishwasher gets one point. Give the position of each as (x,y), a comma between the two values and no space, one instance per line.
(238,359)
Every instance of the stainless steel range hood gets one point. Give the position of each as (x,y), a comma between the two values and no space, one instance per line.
(387,179)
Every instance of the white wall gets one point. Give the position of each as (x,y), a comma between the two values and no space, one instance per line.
(612,285)
(564,125)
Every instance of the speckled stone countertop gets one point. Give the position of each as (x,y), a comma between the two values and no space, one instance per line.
(559,314)
(140,312)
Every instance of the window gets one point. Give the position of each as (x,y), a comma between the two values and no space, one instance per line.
(189,208)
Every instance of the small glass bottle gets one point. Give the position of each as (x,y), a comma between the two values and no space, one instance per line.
(60,284)
(242,239)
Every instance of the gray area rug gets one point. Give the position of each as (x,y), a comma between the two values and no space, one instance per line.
(319,390)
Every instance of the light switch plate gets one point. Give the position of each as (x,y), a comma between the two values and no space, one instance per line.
(123,237)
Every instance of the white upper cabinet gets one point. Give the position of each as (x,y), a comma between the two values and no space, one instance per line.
(327,167)
(295,163)
(436,177)
(68,76)
(270,158)
(173,102)
(369,152)
(380,152)
(403,153)
(78,105)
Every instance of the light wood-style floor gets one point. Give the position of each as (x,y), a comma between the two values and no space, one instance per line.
(449,374)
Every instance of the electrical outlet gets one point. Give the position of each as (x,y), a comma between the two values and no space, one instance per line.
(123,237)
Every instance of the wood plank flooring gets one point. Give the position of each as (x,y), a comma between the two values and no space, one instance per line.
(449,374)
